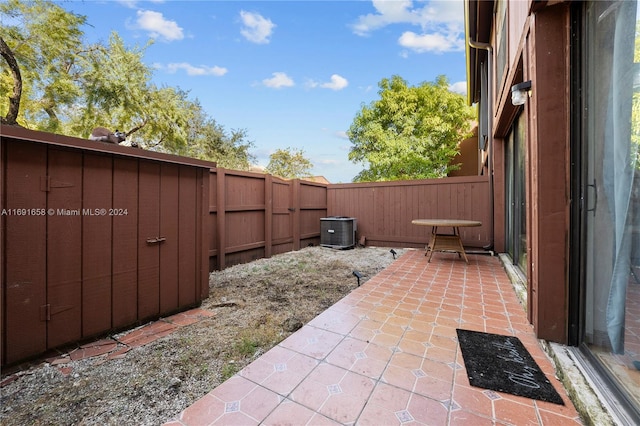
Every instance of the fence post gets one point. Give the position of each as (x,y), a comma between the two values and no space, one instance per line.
(203,231)
(268,215)
(222,232)
(295,201)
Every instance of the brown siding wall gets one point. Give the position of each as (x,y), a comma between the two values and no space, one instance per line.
(468,158)
(549,141)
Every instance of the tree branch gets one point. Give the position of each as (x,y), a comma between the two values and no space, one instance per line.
(53,117)
(14,100)
(136,128)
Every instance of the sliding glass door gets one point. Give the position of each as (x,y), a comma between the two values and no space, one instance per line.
(515,215)
(607,100)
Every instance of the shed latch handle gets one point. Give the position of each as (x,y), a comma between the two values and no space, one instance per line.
(155,240)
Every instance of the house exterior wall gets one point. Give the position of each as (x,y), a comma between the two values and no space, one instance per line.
(547,48)
(537,49)
(468,158)
(581,145)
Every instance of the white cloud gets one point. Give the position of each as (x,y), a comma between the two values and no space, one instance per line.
(256,29)
(366,89)
(441,24)
(459,87)
(158,26)
(194,71)
(337,83)
(278,81)
(388,12)
(342,134)
(133,4)
(437,42)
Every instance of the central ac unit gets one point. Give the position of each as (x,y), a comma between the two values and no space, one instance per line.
(338,232)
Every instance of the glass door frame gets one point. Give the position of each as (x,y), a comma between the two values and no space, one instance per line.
(583,203)
(516,192)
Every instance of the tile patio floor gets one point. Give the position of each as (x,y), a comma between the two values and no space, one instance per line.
(387,354)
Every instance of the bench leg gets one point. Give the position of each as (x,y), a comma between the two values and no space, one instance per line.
(456,231)
(432,243)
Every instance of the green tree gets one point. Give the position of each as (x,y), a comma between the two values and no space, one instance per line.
(410,132)
(13,110)
(209,140)
(289,163)
(45,41)
(116,89)
(57,83)
(118,93)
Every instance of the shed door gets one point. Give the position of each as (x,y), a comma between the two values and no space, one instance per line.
(149,240)
(64,247)
(166,238)
(43,249)
(25,331)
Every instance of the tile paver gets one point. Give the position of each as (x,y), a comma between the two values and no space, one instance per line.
(387,353)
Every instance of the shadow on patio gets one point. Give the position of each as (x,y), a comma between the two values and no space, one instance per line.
(387,354)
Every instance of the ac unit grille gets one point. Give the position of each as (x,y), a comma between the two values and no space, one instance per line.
(338,232)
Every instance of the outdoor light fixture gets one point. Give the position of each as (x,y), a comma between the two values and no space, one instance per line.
(520,92)
(393,252)
(358,275)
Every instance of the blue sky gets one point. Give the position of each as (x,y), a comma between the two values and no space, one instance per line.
(291,73)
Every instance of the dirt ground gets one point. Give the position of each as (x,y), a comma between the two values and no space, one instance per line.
(255,306)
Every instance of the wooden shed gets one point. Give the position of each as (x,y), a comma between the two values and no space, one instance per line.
(95,237)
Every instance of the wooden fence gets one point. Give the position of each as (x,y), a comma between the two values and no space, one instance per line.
(384,210)
(253,215)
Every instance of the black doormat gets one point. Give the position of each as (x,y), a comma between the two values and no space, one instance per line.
(503,364)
